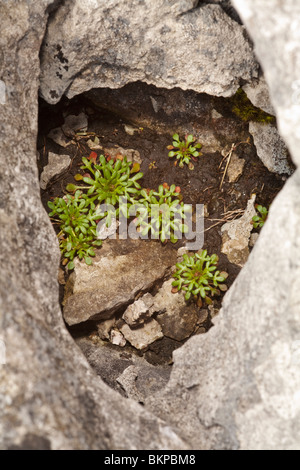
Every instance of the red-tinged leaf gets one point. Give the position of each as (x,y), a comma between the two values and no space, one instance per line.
(93,156)
(170,147)
(177,189)
(175,163)
(135,168)
(119,156)
(174,290)
(86,175)
(78,177)
(65,261)
(108,158)
(166,186)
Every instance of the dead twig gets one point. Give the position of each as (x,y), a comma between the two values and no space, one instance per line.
(229,215)
(228,156)
(233,147)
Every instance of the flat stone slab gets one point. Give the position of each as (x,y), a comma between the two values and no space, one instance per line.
(120,270)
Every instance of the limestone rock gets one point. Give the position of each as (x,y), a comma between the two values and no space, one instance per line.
(120,270)
(59,137)
(144,335)
(127,381)
(75,123)
(104,328)
(140,381)
(111,44)
(270,27)
(258,94)
(133,103)
(57,164)
(139,311)
(270,147)
(129,374)
(236,235)
(50,398)
(235,168)
(253,239)
(117,338)
(255,404)
(63,135)
(104,232)
(176,318)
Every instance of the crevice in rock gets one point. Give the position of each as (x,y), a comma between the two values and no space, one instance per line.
(142,118)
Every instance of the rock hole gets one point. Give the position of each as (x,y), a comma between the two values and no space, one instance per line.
(138,121)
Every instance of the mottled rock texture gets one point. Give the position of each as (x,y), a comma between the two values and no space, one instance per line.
(235,387)
(121,270)
(49,396)
(93,44)
(238,385)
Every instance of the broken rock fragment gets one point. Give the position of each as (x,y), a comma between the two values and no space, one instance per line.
(144,335)
(236,235)
(139,311)
(121,269)
(57,164)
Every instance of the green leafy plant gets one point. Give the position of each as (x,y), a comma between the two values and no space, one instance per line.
(259,220)
(77,226)
(79,245)
(184,150)
(196,275)
(162,213)
(108,180)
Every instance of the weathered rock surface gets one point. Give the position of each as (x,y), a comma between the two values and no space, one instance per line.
(49,396)
(63,135)
(134,103)
(114,43)
(236,236)
(274,26)
(139,382)
(120,270)
(177,319)
(248,363)
(123,371)
(142,336)
(235,168)
(104,328)
(56,165)
(258,94)
(117,338)
(270,147)
(139,311)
